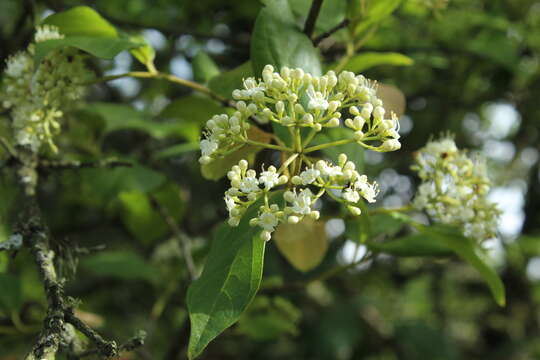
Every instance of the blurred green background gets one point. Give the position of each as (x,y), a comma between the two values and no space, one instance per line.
(475,73)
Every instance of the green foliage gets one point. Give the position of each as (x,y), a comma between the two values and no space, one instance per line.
(278,42)
(366,60)
(419,296)
(123,117)
(204,68)
(82,21)
(83,28)
(98,46)
(190,113)
(144,53)
(269,318)
(11,295)
(141,217)
(224,84)
(124,265)
(228,283)
(106,184)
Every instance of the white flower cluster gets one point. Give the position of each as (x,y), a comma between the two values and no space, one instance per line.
(37,94)
(47,32)
(225,133)
(341,179)
(454,189)
(295,98)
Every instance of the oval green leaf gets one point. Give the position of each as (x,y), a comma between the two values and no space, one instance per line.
(229,282)
(81,21)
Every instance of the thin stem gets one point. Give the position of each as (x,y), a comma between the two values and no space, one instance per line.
(324,35)
(288,162)
(405,208)
(269,146)
(312,17)
(310,137)
(157,75)
(327,145)
(186,248)
(5,144)
(73,165)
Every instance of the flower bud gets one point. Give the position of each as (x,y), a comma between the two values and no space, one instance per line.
(205,160)
(333,122)
(358,135)
(354,110)
(390,145)
(266,235)
(293,219)
(280,107)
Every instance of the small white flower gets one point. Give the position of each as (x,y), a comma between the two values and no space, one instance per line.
(309,175)
(47,32)
(329,170)
(18,64)
(390,145)
(230,203)
(268,221)
(351,195)
(301,203)
(269,178)
(249,184)
(367,190)
(317,101)
(208,147)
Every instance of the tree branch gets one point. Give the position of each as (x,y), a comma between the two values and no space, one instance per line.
(60,313)
(74,165)
(312,17)
(318,39)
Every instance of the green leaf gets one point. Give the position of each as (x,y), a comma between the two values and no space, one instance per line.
(105,48)
(277,41)
(144,53)
(230,280)
(385,224)
(123,265)
(225,83)
(123,117)
(105,184)
(176,150)
(269,318)
(468,250)
(331,13)
(141,217)
(204,68)
(10,294)
(367,60)
(412,245)
(192,112)
(81,21)
(304,244)
(376,12)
